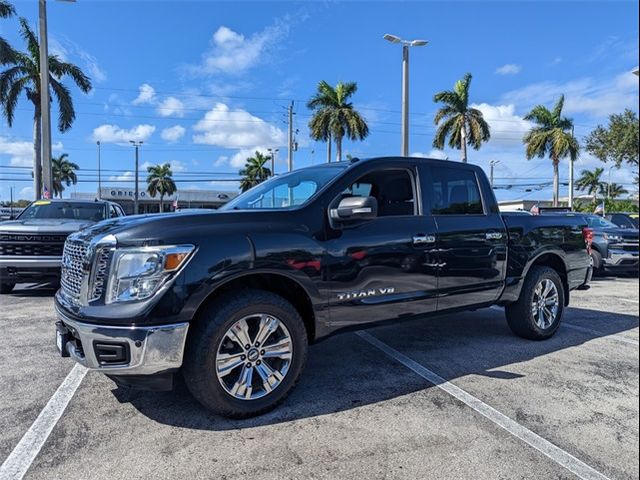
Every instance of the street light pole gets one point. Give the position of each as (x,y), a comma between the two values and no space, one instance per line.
(46,177)
(135,192)
(99,176)
(571,168)
(404,147)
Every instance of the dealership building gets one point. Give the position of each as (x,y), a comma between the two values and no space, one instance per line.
(148,204)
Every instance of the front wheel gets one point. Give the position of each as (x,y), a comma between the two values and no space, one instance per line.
(6,287)
(245,354)
(537,313)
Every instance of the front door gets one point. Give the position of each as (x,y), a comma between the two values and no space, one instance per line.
(383,268)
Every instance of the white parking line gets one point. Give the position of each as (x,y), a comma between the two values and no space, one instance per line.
(555,453)
(20,459)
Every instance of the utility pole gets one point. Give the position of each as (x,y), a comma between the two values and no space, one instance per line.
(135,194)
(404,148)
(290,139)
(44,176)
(571,177)
(492,164)
(273,152)
(99,177)
(11,202)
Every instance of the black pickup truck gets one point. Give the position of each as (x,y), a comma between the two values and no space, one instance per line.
(231,299)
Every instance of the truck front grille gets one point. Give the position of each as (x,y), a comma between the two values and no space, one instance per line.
(31,245)
(74,258)
(100,272)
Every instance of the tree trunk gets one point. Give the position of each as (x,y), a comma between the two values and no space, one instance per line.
(161,198)
(329,149)
(37,153)
(556,182)
(463,142)
(339,149)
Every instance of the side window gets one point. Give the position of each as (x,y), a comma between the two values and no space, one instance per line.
(393,189)
(112,211)
(455,192)
(120,211)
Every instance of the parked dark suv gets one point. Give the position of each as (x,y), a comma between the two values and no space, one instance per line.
(613,249)
(31,246)
(624,220)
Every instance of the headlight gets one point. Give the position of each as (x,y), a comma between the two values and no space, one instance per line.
(612,238)
(137,273)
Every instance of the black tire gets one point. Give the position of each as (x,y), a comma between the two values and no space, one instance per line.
(6,287)
(519,315)
(598,264)
(199,367)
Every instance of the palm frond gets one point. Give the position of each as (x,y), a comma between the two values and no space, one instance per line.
(67,113)
(6,9)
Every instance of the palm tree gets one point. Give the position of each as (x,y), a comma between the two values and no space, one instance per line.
(462,124)
(159,181)
(613,190)
(591,181)
(334,116)
(64,171)
(6,10)
(552,135)
(254,171)
(23,74)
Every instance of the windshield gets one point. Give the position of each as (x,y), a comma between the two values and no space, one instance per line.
(285,191)
(595,221)
(68,210)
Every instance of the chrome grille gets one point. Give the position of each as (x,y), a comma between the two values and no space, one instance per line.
(73,260)
(100,274)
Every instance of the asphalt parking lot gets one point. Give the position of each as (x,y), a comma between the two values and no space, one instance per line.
(421,399)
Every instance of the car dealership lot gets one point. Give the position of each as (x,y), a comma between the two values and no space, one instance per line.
(358,410)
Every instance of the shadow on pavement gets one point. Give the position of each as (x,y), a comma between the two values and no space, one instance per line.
(345,372)
(44,289)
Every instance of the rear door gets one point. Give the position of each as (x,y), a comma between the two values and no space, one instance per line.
(471,238)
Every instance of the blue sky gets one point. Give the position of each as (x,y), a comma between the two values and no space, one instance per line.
(205,83)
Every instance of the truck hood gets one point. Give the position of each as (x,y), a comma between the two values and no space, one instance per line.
(44,225)
(625,233)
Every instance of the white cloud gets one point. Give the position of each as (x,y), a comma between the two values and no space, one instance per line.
(66,50)
(27,192)
(146,95)
(235,129)
(598,98)
(170,106)
(20,152)
(176,166)
(125,177)
(507,128)
(233,53)
(509,69)
(173,134)
(434,153)
(114,134)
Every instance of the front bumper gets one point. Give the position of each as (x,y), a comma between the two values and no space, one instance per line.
(621,260)
(116,350)
(19,269)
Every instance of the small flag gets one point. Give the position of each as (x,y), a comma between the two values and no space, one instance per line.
(535,210)
(46,193)
(599,208)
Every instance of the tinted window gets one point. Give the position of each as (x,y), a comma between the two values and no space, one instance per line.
(455,192)
(70,210)
(595,221)
(393,189)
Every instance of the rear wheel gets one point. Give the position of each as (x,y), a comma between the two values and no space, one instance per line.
(245,354)
(537,313)
(6,287)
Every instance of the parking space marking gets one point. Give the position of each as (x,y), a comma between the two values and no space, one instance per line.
(21,458)
(555,453)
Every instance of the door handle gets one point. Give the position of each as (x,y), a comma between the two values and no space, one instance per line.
(424,239)
(493,235)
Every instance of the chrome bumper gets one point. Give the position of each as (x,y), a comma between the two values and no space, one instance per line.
(619,258)
(17,261)
(150,349)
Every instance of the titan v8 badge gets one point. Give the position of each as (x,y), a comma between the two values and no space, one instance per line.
(372,292)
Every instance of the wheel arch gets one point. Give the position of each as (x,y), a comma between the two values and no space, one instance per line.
(554,261)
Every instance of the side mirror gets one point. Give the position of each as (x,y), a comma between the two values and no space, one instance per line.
(355,208)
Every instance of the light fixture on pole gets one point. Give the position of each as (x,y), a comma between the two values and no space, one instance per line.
(43,176)
(492,164)
(273,152)
(404,150)
(137,145)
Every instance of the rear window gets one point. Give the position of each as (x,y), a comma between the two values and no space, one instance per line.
(69,210)
(455,192)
